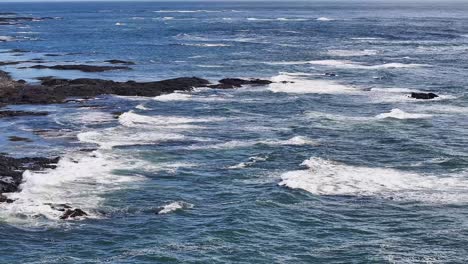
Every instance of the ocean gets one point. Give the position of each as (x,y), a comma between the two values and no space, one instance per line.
(331,163)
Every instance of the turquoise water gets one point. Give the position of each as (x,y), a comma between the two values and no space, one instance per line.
(322,169)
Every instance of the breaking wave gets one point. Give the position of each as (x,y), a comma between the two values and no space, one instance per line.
(296,84)
(324,177)
(400,114)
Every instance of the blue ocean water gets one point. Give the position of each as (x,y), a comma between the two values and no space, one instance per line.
(332,163)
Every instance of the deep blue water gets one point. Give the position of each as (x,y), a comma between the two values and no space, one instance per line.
(327,168)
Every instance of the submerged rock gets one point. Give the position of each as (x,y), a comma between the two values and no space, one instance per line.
(425,96)
(16,139)
(120,62)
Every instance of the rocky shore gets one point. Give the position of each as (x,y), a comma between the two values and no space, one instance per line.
(53,90)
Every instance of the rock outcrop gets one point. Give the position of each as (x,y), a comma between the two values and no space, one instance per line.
(425,96)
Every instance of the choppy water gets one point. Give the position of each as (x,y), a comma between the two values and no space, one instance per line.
(323,169)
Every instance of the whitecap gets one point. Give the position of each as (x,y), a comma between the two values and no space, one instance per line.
(6,38)
(206,45)
(352,53)
(109,138)
(173,97)
(400,114)
(358,65)
(131,119)
(324,19)
(287,83)
(187,11)
(78,181)
(366,38)
(291,19)
(174,206)
(294,141)
(142,107)
(252,161)
(324,177)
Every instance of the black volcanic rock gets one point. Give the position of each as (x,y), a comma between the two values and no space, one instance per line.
(72,213)
(7,113)
(230,83)
(11,171)
(120,62)
(425,96)
(17,139)
(93,87)
(81,67)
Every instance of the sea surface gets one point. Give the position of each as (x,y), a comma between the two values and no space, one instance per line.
(332,163)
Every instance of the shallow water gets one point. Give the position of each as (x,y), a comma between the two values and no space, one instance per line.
(322,169)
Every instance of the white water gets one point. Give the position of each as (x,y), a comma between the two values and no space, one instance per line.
(79,181)
(292,83)
(324,177)
(400,114)
(175,206)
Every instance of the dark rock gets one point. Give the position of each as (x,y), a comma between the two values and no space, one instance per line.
(425,96)
(83,68)
(72,213)
(21,113)
(11,170)
(231,83)
(59,207)
(88,149)
(16,139)
(5,63)
(120,62)
(18,51)
(4,199)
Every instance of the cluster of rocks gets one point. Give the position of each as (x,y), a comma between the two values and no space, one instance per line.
(80,67)
(11,172)
(13,18)
(57,90)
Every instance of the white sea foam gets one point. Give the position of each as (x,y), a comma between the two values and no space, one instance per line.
(142,107)
(120,24)
(324,19)
(6,38)
(442,109)
(187,11)
(288,83)
(109,138)
(358,65)
(173,97)
(292,19)
(366,38)
(400,114)
(352,53)
(174,206)
(131,119)
(294,141)
(252,161)
(78,181)
(206,45)
(324,177)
